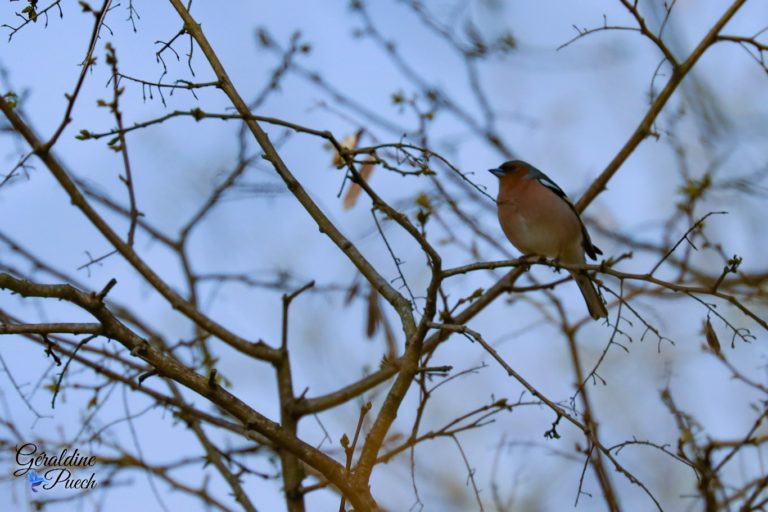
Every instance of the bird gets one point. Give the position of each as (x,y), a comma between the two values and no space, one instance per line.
(539,219)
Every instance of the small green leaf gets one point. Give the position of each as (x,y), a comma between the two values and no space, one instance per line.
(30,12)
(476,294)
(509,42)
(197,114)
(10,98)
(423,201)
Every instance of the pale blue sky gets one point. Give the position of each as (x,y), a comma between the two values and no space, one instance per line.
(569,112)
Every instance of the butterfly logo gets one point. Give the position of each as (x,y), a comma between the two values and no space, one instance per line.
(34,480)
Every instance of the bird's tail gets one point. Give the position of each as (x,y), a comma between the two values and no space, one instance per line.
(591,297)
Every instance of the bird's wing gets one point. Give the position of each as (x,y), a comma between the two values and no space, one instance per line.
(535,174)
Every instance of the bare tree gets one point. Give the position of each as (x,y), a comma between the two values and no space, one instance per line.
(199,330)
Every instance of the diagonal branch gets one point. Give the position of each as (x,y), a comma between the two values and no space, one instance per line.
(401,305)
(644,128)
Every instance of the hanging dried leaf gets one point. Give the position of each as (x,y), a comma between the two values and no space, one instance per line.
(711,336)
(374,314)
(354,191)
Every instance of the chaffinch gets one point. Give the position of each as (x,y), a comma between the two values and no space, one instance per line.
(538,219)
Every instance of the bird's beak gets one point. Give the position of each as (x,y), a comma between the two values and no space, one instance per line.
(496,172)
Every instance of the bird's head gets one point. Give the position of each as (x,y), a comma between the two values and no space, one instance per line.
(510,168)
